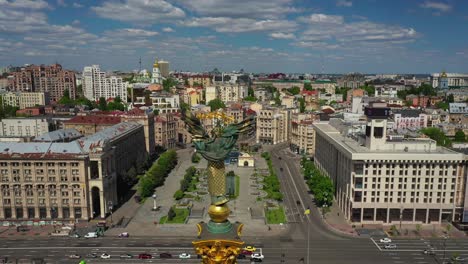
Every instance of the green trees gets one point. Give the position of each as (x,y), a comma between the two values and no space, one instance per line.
(216,104)
(187,183)
(437,135)
(168,84)
(302,105)
(66,100)
(320,185)
(460,136)
(171,214)
(308,87)
(294,90)
(102,104)
(158,172)
(250,99)
(425,89)
(271,183)
(195,157)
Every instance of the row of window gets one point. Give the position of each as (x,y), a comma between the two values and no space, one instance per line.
(29,178)
(32,213)
(407,200)
(38,171)
(406,186)
(39,164)
(41,201)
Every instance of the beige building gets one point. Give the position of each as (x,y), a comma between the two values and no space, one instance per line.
(164,68)
(380,181)
(324,85)
(25,100)
(288,101)
(226,92)
(211,93)
(19,127)
(165,131)
(302,133)
(203,80)
(67,181)
(272,125)
(235,112)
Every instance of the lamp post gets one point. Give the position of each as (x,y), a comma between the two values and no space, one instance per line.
(110,206)
(401,216)
(154,202)
(445,246)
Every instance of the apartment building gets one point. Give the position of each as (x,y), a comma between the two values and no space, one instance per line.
(165,131)
(67,181)
(24,100)
(382,181)
(20,127)
(162,101)
(226,92)
(302,133)
(96,84)
(199,80)
(272,125)
(326,86)
(43,78)
(409,119)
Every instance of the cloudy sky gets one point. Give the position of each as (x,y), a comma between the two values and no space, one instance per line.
(334,36)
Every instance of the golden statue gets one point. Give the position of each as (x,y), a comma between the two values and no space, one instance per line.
(220,239)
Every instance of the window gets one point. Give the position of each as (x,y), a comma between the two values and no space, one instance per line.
(65,201)
(62,164)
(51,171)
(50,164)
(75,172)
(17,190)
(75,178)
(40,171)
(51,179)
(38,164)
(62,172)
(41,201)
(18,201)
(6,201)
(63,178)
(53,201)
(64,193)
(27,164)
(30,201)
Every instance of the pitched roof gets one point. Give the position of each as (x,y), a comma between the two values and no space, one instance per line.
(101,138)
(94,119)
(40,150)
(59,135)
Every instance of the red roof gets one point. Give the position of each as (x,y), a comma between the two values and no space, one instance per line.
(328,111)
(250,112)
(94,119)
(306,92)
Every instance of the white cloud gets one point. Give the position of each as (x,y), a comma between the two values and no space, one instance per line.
(76,22)
(233,25)
(139,11)
(255,9)
(344,3)
(322,19)
(26,4)
(130,33)
(280,35)
(167,29)
(61,3)
(77,5)
(438,6)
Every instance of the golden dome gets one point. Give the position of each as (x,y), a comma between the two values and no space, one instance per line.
(443,74)
(218,214)
(156,65)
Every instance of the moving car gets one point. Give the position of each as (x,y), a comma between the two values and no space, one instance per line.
(75,235)
(74,256)
(429,252)
(124,234)
(246,252)
(385,240)
(91,235)
(390,246)
(257,256)
(105,256)
(250,248)
(256,260)
(241,256)
(459,258)
(165,255)
(126,256)
(91,255)
(184,256)
(145,256)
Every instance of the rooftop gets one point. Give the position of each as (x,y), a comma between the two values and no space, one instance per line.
(59,135)
(101,138)
(93,119)
(40,150)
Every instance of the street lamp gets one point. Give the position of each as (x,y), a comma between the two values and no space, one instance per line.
(445,245)
(111,206)
(154,202)
(401,216)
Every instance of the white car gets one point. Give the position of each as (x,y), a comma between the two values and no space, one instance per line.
(91,235)
(390,246)
(257,256)
(105,256)
(184,256)
(385,240)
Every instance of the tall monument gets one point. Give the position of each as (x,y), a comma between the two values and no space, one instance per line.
(219,239)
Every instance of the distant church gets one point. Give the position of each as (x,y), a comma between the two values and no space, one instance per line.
(156,78)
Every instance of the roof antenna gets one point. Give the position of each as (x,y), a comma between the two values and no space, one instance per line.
(140,65)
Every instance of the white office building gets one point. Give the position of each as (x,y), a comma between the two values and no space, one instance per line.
(23,127)
(96,84)
(449,80)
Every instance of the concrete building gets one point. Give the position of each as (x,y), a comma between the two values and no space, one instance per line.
(353,81)
(262,95)
(449,80)
(272,125)
(61,135)
(20,127)
(355,93)
(459,95)
(380,181)
(326,86)
(235,112)
(409,119)
(203,80)
(211,93)
(164,68)
(302,134)
(388,90)
(165,131)
(226,92)
(288,101)
(42,78)
(90,124)
(3,84)
(423,101)
(163,102)
(96,85)
(24,100)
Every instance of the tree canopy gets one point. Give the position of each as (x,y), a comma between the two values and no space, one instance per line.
(437,135)
(66,100)
(460,136)
(216,104)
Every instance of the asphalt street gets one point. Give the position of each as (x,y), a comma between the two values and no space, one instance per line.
(308,240)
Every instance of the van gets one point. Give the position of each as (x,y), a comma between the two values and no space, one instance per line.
(91,235)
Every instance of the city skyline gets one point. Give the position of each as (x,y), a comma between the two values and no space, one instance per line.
(275,36)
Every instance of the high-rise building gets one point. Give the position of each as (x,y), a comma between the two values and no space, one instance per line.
(96,85)
(164,68)
(156,77)
(272,125)
(42,78)
(382,180)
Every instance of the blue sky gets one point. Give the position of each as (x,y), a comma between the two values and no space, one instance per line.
(336,36)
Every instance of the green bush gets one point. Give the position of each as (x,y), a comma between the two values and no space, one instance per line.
(157,173)
(196,158)
(179,195)
(320,185)
(171,214)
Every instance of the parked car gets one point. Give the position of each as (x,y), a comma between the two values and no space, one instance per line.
(184,256)
(257,256)
(145,256)
(126,256)
(246,252)
(429,252)
(105,256)
(74,256)
(390,246)
(92,255)
(165,255)
(124,234)
(75,235)
(385,240)
(91,235)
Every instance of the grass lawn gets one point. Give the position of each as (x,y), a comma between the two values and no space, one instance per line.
(237,186)
(181,215)
(276,216)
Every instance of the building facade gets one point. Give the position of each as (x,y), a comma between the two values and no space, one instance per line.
(24,100)
(164,68)
(409,119)
(302,134)
(203,80)
(379,181)
(272,125)
(449,80)
(226,92)
(165,131)
(96,85)
(23,127)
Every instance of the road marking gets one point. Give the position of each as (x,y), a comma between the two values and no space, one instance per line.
(376,244)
